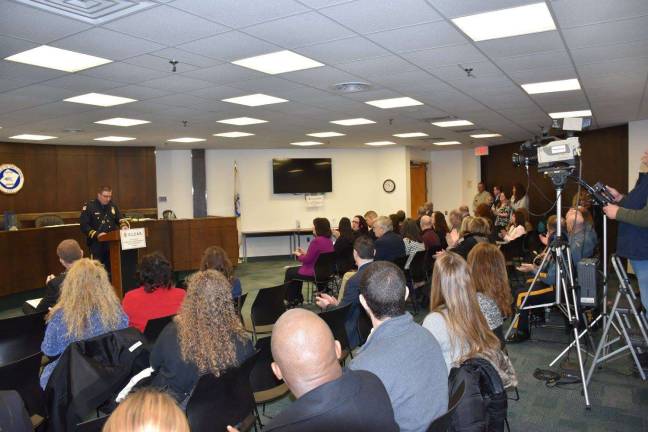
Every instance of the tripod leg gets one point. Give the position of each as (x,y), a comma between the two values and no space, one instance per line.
(628,341)
(582,369)
(604,335)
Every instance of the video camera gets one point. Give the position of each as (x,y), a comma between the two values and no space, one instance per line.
(548,153)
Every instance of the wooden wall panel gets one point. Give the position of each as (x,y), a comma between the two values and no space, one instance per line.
(72,168)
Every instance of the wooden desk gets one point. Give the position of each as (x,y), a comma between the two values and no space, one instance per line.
(29,255)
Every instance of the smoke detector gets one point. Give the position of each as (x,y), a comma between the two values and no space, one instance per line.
(352,87)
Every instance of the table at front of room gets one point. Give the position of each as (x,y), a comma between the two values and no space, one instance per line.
(293,234)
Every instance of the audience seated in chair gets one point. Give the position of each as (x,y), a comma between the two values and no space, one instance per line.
(343,246)
(215,258)
(430,238)
(519,198)
(205,337)
(321,243)
(328,398)
(516,228)
(370,217)
(156,297)
(456,321)
(474,230)
(86,308)
(440,227)
(68,251)
(147,410)
(359,226)
(454,233)
(405,356)
(363,253)
(491,283)
(412,240)
(389,245)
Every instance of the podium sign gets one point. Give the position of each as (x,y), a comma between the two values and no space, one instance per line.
(134,238)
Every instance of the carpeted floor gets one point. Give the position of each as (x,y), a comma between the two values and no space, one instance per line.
(619,398)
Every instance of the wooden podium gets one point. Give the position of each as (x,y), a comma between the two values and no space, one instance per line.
(120,269)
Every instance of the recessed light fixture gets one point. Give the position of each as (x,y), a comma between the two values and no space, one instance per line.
(242,121)
(306,143)
(486,135)
(278,62)
(380,143)
(233,134)
(123,122)
(325,134)
(453,123)
(56,58)
(521,20)
(552,86)
(394,102)
(445,143)
(257,99)
(570,114)
(353,122)
(186,140)
(32,137)
(114,139)
(99,99)
(411,135)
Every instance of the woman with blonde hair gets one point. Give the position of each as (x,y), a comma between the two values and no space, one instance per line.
(87,307)
(474,230)
(205,337)
(147,410)
(456,321)
(456,222)
(492,285)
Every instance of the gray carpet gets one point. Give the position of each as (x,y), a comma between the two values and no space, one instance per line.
(618,396)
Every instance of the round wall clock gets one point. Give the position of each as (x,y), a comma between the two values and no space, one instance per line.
(389,186)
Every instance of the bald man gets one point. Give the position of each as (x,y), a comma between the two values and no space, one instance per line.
(328,398)
(428,235)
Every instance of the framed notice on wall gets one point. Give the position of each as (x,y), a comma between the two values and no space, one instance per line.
(134,238)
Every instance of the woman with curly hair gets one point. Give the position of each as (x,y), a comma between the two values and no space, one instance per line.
(156,297)
(205,337)
(215,258)
(87,307)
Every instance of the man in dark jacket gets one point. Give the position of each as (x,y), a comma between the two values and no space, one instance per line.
(68,252)
(328,399)
(389,245)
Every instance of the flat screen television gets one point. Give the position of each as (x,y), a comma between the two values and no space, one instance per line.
(301,175)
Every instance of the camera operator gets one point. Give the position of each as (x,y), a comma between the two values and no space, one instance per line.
(582,241)
(632,240)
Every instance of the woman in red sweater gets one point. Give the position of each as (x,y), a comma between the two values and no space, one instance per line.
(156,297)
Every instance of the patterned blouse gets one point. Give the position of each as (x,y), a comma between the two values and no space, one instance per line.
(503,216)
(490,310)
(411,247)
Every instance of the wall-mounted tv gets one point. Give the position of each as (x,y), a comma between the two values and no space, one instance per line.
(302,175)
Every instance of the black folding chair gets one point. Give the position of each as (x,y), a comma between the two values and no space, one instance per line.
(155,326)
(240,301)
(336,320)
(325,272)
(265,385)
(21,336)
(442,424)
(266,309)
(22,376)
(416,276)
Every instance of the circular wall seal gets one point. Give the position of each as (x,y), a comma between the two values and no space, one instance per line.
(11,179)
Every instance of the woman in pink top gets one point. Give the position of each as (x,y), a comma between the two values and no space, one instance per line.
(321,243)
(156,297)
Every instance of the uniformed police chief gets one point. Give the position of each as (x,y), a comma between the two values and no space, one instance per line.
(99,217)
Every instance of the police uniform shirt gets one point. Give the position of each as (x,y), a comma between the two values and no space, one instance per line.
(96,218)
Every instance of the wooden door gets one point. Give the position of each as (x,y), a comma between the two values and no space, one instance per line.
(418,183)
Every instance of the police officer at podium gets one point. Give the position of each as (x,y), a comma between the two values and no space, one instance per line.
(99,217)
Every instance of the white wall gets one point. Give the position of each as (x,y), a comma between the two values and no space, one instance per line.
(637,145)
(470,176)
(173,168)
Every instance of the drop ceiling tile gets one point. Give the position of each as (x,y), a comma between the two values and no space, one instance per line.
(457,72)
(176,83)
(166,25)
(601,53)
(10,46)
(224,74)
(237,14)
(123,72)
(159,64)
(377,66)
(217,92)
(82,84)
(628,30)
(343,51)
(624,67)
(542,74)
(423,36)
(27,73)
(139,92)
(454,8)
(368,16)
(298,30)
(185,57)
(522,45)
(107,44)
(575,13)
(7,84)
(233,45)
(183,100)
(323,77)
(550,59)
(412,82)
(563,101)
(444,56)
(24,22)
(273,86)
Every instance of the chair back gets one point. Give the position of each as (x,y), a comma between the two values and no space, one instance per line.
(22,376)
(348,275)
(265,385)
(93,425)
(48,220)
(499,332)
(514,248)
(324,266)
(155,326)
(364,326)
(400,262)
(336,320)
(217,402)
(268,305)
(238,304)
(442,424)
(417,270)
(21,336)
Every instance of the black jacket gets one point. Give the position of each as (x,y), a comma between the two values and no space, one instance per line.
(389,247)
(96,219)
(344,253)
(52,291)
(355,402)
(465,246)
(484,404)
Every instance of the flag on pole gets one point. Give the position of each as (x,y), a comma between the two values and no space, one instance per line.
(237,196)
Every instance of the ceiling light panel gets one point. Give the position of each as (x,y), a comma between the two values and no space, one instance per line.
(571,114)
(325,134)
(353,122)
(254,100)
(122,122)
(552,86)
(59,59)
(486,135)
(306,143)
(453,123)
(114,139)
(99,99)
(411,135)
(446,143)
(186,140)
(380,143)
(32,137)
(394,102)
(242,121)
(533,18)
(278,62)
(234,134)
